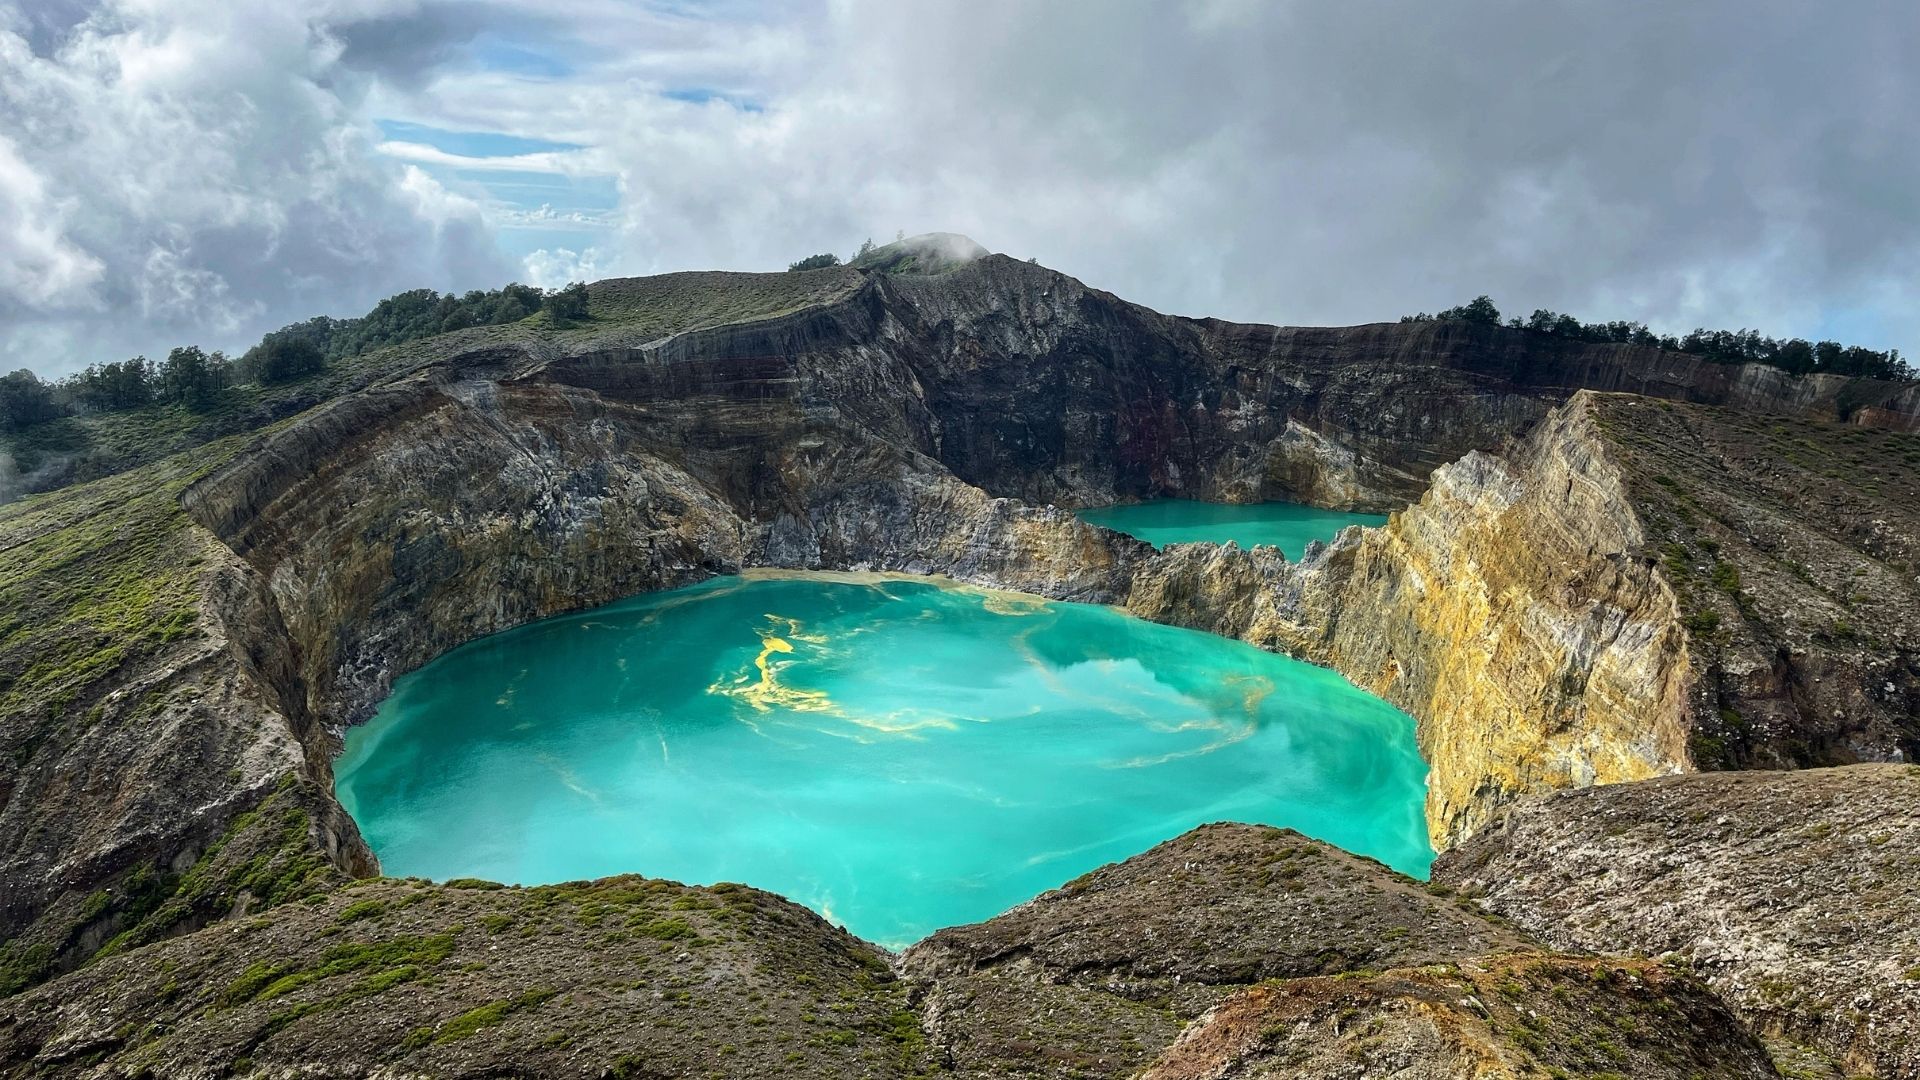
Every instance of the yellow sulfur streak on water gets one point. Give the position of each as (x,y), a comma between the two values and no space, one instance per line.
(768,692)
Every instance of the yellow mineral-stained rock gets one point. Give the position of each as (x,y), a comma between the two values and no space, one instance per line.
(1514,611)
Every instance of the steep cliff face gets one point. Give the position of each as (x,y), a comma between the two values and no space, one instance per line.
(435,521)
(461,506)
(1794,551)
(1028,384)
(1635,588)
(144,727)
(1041,388)
(1513,612)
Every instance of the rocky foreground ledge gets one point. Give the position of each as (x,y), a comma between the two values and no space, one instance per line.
(1791,893)
(1233,950)
(1603,932)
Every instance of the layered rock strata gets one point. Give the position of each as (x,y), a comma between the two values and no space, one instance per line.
(1635,588)
(1513,611)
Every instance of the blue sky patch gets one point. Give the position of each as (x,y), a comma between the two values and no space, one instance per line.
(475,144)
(701,95)
(529,210)
(1853,326)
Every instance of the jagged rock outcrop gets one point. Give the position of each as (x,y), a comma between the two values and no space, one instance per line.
(1571,611)
(1512,611)
(1792,893)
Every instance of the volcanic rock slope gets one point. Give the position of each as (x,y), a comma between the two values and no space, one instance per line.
(1631,588)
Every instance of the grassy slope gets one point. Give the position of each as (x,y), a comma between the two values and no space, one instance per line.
(623,312)
(622,977)
(93,579)
(99,585)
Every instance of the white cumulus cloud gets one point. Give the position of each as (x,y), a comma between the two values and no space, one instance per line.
(173,171)
(550,268)
(39,266)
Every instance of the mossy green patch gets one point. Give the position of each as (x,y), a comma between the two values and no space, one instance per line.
(364,909)
(475,1020)
(393,961)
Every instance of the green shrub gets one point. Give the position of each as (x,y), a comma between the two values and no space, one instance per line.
(364,909)
(1702,623)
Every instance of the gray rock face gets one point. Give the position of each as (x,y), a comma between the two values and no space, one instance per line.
(1237,932)
(1500,1017)
(1792,893)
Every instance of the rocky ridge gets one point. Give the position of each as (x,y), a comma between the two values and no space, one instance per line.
(629,978)
(1512,611)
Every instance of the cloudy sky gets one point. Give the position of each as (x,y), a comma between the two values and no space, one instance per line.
(177,171)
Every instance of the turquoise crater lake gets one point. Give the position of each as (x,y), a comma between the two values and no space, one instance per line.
(1287,526)
(899,754)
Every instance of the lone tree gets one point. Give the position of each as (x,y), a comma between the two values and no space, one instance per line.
(568,304)
(815,262)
